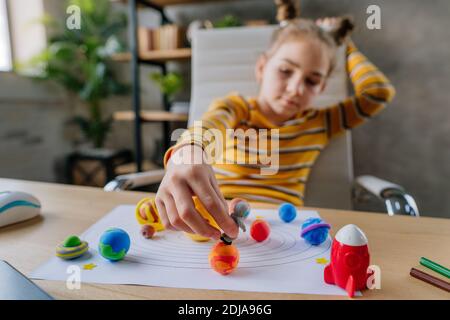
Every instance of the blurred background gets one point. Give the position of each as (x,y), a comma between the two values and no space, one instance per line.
(66,103)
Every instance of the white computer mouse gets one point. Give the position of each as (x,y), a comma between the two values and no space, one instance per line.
(16,206)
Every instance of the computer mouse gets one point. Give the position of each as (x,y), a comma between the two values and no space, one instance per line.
(16,206)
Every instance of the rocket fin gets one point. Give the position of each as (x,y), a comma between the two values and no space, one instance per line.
(328,274)
(350,286)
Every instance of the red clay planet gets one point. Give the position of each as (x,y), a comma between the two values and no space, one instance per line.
(260,230)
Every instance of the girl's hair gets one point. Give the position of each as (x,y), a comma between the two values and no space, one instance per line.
(292,27)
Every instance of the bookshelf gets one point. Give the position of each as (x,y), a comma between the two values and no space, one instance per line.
(155,58)
(156,55)
(150,116)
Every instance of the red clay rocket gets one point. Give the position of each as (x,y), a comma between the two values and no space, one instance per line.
(349,260)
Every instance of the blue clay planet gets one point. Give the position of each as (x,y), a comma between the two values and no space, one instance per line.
(315,231)
(287,212)
(114,244)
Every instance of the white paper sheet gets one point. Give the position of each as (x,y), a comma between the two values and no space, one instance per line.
(283,263)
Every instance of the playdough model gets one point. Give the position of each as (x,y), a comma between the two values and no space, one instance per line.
(287,212)
(349,260)
(259,230)
(315,231)
(239,209)
(114,244)
(71,248)
(224,258)
(147,207)
(147,231)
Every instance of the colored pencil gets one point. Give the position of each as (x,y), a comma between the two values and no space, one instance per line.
(435,267)
(430,279)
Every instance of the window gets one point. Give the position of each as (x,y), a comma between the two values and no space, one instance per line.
(5,43)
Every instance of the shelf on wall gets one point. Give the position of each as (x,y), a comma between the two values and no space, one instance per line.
(158,58)
(151,116)
(156,55)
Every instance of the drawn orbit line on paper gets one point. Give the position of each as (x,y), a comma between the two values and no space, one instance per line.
(174,249)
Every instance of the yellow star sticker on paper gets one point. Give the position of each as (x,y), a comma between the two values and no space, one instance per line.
(321,260)
(89,266)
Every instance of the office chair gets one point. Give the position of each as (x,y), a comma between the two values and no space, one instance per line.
(223,61)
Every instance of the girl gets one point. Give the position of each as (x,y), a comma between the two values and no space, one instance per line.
(292,72)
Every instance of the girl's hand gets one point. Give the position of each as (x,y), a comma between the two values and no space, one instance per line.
(189,175)
(329,23)
(339,27)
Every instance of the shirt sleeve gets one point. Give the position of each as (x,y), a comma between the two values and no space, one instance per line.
(372,92)
(222,114)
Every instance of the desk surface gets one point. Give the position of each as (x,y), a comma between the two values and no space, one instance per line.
(396,244)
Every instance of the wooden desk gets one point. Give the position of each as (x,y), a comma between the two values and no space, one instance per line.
(396,244)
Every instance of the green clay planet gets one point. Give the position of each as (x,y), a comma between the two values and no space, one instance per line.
(71,248)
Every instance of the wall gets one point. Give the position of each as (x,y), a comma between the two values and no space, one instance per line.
(31,128)
(407,143)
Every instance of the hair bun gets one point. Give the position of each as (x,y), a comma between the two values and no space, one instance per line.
(344,30)
(286,10)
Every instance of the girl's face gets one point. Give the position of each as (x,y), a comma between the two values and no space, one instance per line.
(292,77)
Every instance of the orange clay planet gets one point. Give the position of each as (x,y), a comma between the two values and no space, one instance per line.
(223,258)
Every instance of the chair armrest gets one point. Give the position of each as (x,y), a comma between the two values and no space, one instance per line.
(135,180)
(393,197)
(376,185)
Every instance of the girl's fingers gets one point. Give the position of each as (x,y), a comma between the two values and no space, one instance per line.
(163,214)
(190,215)
(212,203)
(216,188)
(174,215)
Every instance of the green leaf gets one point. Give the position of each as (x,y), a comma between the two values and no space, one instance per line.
(63,51)
(228,21)
(169,84)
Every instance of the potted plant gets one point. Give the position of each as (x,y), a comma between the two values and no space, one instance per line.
(169,84)
(80,61)
(228,21)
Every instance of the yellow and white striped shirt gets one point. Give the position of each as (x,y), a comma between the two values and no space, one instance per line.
(300,140)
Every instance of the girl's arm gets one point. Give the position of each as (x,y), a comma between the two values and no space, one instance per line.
(222,114)
(372,92)
(188,175)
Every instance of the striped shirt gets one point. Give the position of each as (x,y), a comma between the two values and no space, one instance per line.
(300,140)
